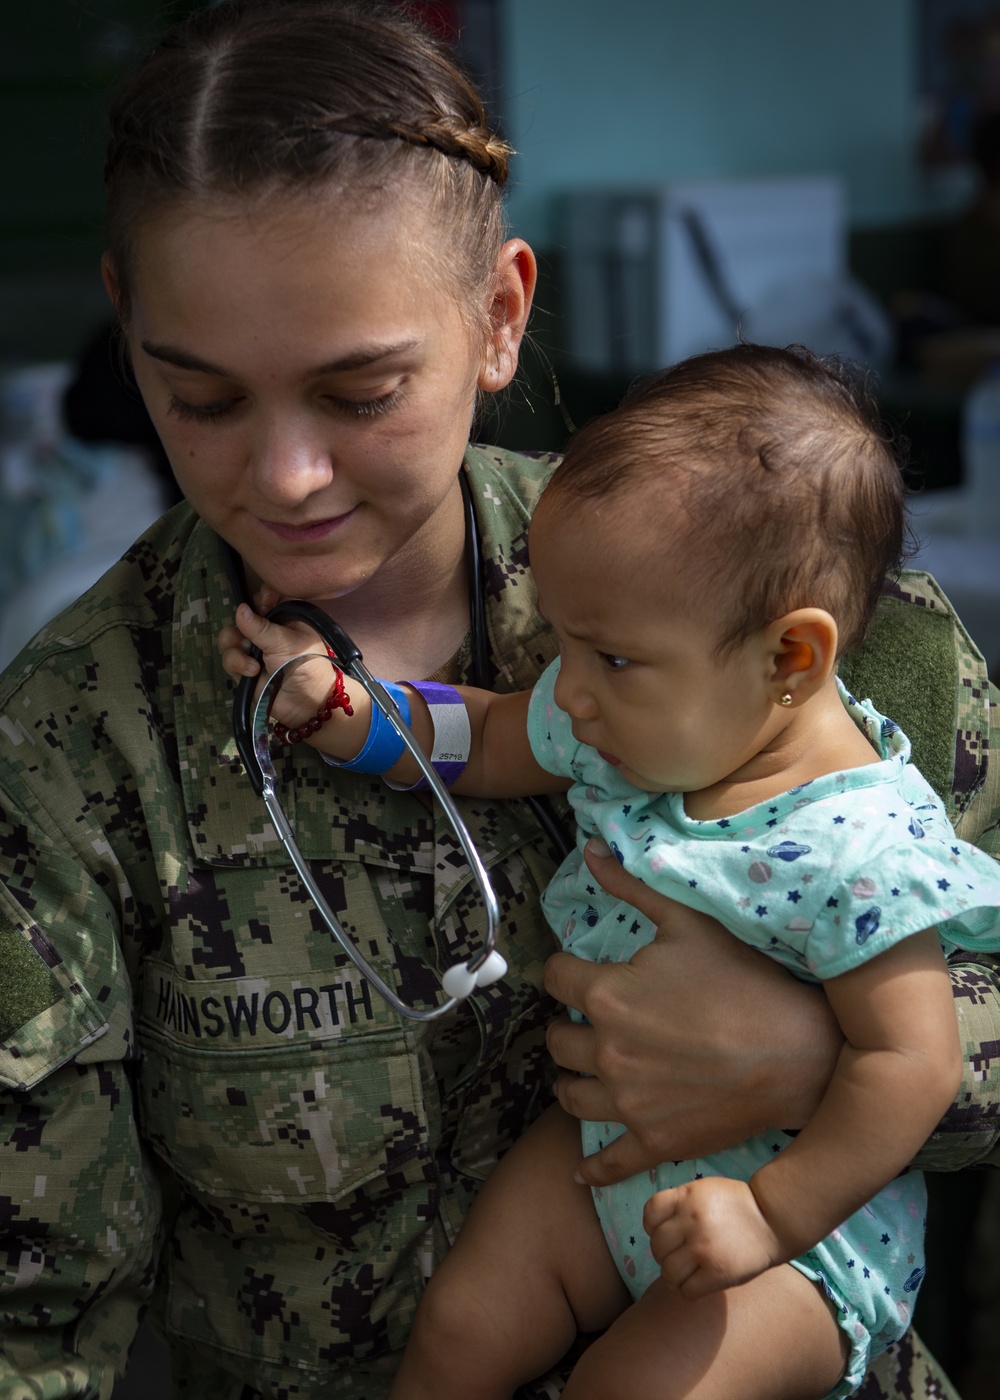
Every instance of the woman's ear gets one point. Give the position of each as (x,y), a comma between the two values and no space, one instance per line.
(803,654)
(513,290)
(110,279)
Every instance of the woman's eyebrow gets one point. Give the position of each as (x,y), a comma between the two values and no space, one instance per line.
(366,355)
(171,355)
(357,359)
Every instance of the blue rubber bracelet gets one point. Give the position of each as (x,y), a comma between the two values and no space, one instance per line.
(383,747)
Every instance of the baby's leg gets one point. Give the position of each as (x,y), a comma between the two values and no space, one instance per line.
(529,1271)
(774,1338)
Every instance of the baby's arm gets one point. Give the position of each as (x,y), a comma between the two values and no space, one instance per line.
(895,1077)
(500,764)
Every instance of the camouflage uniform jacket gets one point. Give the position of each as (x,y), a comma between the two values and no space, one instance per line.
(201,1101)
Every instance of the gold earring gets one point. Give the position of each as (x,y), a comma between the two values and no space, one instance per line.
(786,699)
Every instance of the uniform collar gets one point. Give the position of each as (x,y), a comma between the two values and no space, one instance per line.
(227,821)
(505,487)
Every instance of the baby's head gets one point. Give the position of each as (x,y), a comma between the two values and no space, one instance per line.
(760,478)
(704,553)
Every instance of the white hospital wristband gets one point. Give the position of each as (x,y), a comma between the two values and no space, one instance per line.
(452,733)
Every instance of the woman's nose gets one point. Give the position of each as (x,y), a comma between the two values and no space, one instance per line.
(289,463)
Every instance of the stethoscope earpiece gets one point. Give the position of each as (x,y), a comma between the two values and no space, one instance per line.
(459,982)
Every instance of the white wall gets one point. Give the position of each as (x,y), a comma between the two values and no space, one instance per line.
(619,91)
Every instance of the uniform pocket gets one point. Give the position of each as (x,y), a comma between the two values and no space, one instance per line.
(284,1090)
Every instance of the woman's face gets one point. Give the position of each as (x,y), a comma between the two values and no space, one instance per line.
(312,385)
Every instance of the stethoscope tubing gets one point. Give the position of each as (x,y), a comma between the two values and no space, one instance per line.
(253,741)
(256,758)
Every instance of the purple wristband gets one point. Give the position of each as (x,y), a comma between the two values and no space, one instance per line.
(452,733)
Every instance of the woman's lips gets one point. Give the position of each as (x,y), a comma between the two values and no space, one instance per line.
(306,534)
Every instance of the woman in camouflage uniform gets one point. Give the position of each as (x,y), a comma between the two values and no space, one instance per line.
(203,1107)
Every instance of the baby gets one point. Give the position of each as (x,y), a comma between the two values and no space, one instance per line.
(704,555)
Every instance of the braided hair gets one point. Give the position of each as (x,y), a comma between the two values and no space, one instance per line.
(250,97)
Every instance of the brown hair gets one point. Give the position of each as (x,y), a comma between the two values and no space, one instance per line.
(254,97)
(769,469)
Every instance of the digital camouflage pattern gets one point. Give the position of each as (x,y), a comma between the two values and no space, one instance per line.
(203,1105)
(916,655)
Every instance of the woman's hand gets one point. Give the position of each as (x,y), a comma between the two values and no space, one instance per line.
(694,1044)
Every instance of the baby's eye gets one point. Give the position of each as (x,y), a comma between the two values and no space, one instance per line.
(613,663)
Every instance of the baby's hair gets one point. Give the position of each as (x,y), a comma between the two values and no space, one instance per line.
(255,97)
(769,469)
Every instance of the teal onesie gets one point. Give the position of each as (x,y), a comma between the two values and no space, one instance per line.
(822,878)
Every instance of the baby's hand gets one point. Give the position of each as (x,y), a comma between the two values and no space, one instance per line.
(709,1235)
(304,689)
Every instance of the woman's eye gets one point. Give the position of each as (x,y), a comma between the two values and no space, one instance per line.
(614,663)
(201,412)
(366,408)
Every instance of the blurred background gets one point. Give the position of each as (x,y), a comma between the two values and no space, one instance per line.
(687,169)
(822,173)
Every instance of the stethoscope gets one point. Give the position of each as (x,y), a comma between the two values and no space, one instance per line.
(253,742)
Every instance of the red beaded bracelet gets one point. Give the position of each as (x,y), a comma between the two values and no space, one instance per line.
(338,699)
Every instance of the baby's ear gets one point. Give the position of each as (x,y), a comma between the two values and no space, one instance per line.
(803,653)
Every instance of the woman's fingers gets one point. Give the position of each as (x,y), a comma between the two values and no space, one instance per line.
(696,1043)
(570,1044)
(621,885)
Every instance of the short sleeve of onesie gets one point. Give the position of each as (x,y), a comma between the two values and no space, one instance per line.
(822,877)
